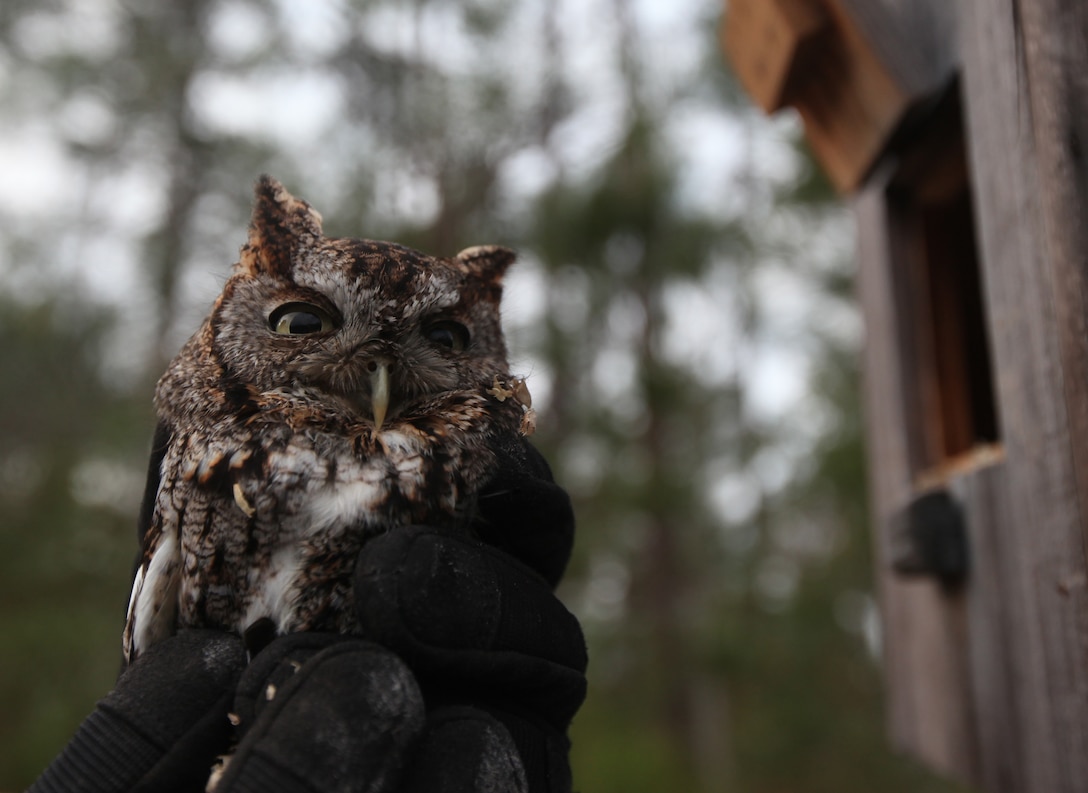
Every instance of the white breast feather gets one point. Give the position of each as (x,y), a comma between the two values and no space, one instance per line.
(153,604)
(342,504)
(276,590)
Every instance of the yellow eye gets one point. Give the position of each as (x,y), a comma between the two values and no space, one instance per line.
(451,335)
(300,319)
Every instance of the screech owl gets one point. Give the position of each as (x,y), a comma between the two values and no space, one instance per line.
(339,388)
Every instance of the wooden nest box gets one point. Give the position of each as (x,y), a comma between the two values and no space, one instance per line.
(958,131)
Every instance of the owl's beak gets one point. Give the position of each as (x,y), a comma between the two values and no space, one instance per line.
(379,392)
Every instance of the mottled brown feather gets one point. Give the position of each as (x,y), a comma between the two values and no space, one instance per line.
(274,473)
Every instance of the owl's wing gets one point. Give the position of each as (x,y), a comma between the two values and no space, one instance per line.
(160,442)
(152,606)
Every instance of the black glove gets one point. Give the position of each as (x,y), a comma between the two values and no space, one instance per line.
(492,648)
(319,713)
(162,725)
(523,512)
(528,667)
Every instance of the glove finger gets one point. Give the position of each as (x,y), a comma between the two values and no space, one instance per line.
(162,725)
(544,750)
(465,750)
(459,610)
(342,722)
(271,669)
(524,513)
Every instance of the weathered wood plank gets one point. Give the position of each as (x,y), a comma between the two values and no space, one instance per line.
(1054,40)
(992,629)
(929,709)
(1043,565)
(765,40)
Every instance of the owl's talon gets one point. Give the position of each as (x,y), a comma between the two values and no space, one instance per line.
(219,769)
(528,421)
(242,502)
(499,390)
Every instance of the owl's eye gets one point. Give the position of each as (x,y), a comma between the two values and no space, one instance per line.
(299,319)
(451,335)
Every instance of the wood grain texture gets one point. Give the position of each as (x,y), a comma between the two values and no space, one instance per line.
(765,40)
(924,634)
(1040,546)
(1054,41)
(992,628)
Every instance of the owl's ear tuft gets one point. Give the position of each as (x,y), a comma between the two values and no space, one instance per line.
(281,224)
(486,261)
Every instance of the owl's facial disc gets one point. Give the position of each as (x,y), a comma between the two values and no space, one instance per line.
(376,365)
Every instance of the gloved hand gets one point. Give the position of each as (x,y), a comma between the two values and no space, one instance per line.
(162,725)
(493,651)
(319,709)
(320,712)
(469,675)
(524,512)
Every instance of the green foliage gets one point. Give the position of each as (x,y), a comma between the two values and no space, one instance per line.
(66,553)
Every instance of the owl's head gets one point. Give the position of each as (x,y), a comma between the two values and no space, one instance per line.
(372,327)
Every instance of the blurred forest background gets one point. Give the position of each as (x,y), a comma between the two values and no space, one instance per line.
(682,305)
